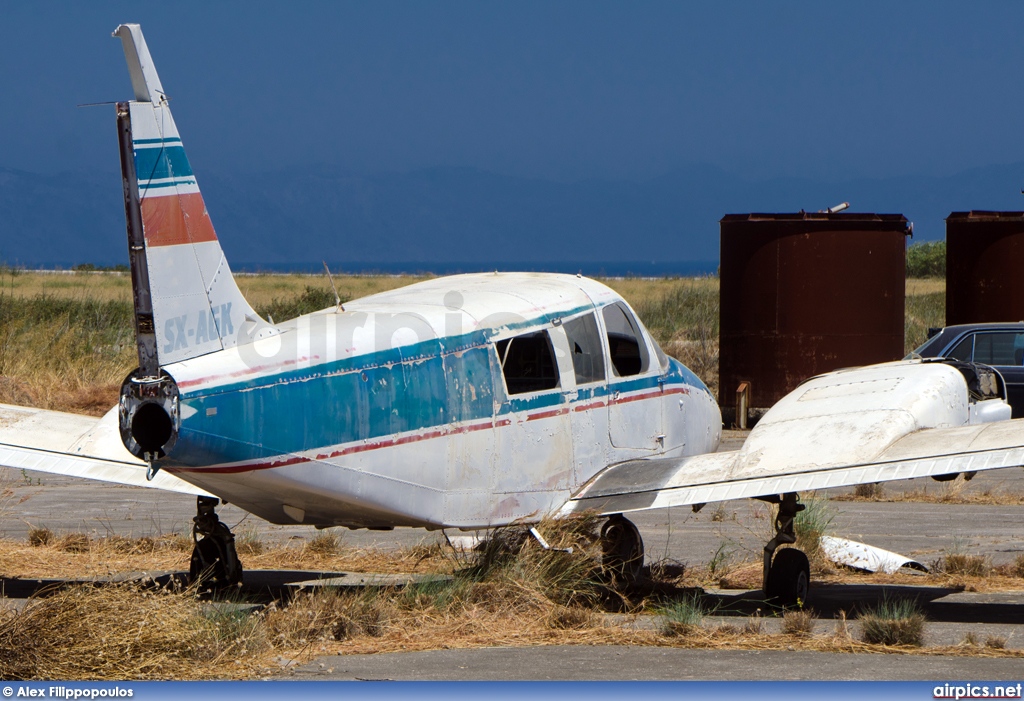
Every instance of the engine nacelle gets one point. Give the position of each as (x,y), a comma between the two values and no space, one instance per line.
(149,416)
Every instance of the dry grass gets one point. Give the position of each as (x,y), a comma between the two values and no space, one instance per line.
(40,536)
(925,308)
(124,632)
(869,492)
(798,622)
(683,317)
(995,642)
(925,286)
(324,544)
(513,593)
(957,491)
(957,563)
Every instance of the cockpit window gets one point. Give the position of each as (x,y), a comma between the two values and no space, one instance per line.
(528,363)
(626,345)
(586,348)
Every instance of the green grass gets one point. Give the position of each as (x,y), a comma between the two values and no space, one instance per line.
(684,616)
(312,299)
(923,311)
(811,524)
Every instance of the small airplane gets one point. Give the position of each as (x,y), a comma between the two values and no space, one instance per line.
(466,402)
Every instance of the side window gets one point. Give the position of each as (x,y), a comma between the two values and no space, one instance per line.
(585,346)
(963,350)
(998,348)
(628,350)
(528,363)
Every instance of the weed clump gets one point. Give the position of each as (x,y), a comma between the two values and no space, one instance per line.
(871,490)
(809,526)
(899,622)
(512,559)
(798,622)
(324,544)
(74,543)
(964,564)
(684,617)
(40,537)
(327,614)
(995,642)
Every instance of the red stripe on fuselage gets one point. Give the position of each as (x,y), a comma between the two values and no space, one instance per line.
(427,435)
(362,448)
(176,219)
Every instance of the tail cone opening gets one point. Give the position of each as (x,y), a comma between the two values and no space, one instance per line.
(149,415)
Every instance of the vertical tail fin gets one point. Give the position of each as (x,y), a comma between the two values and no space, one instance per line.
(196,305)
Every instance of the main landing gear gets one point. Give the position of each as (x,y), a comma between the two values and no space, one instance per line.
(622,549)
(787,578)
(214,565)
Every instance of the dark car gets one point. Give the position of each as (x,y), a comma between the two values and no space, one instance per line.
(998,345)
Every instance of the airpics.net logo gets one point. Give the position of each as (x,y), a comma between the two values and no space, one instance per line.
(977,691)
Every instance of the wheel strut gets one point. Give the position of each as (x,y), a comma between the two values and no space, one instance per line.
(214,564)
(789,507)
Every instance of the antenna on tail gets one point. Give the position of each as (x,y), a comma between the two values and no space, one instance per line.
(337,297)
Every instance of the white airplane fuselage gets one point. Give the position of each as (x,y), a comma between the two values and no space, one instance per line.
(396,410)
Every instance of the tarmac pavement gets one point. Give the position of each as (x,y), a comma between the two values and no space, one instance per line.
(622,663)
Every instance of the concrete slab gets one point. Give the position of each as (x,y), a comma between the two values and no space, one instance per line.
(574,663)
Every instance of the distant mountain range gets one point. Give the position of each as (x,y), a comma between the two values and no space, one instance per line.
(433,217)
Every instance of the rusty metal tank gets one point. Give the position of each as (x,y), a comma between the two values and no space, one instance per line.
(805,293)
(984,262)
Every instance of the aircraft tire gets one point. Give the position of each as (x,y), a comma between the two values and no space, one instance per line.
(622,549)
(214,565)
(789,578)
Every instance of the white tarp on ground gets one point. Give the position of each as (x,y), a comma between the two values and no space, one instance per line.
(865,557)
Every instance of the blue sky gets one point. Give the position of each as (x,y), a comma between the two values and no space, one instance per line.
(553,90)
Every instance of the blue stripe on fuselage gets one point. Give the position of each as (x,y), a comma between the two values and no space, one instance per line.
(434,383)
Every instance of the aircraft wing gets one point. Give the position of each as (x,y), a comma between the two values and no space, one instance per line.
(847,428)
(78,446)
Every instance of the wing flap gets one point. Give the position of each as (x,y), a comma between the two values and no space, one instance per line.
(77,446)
